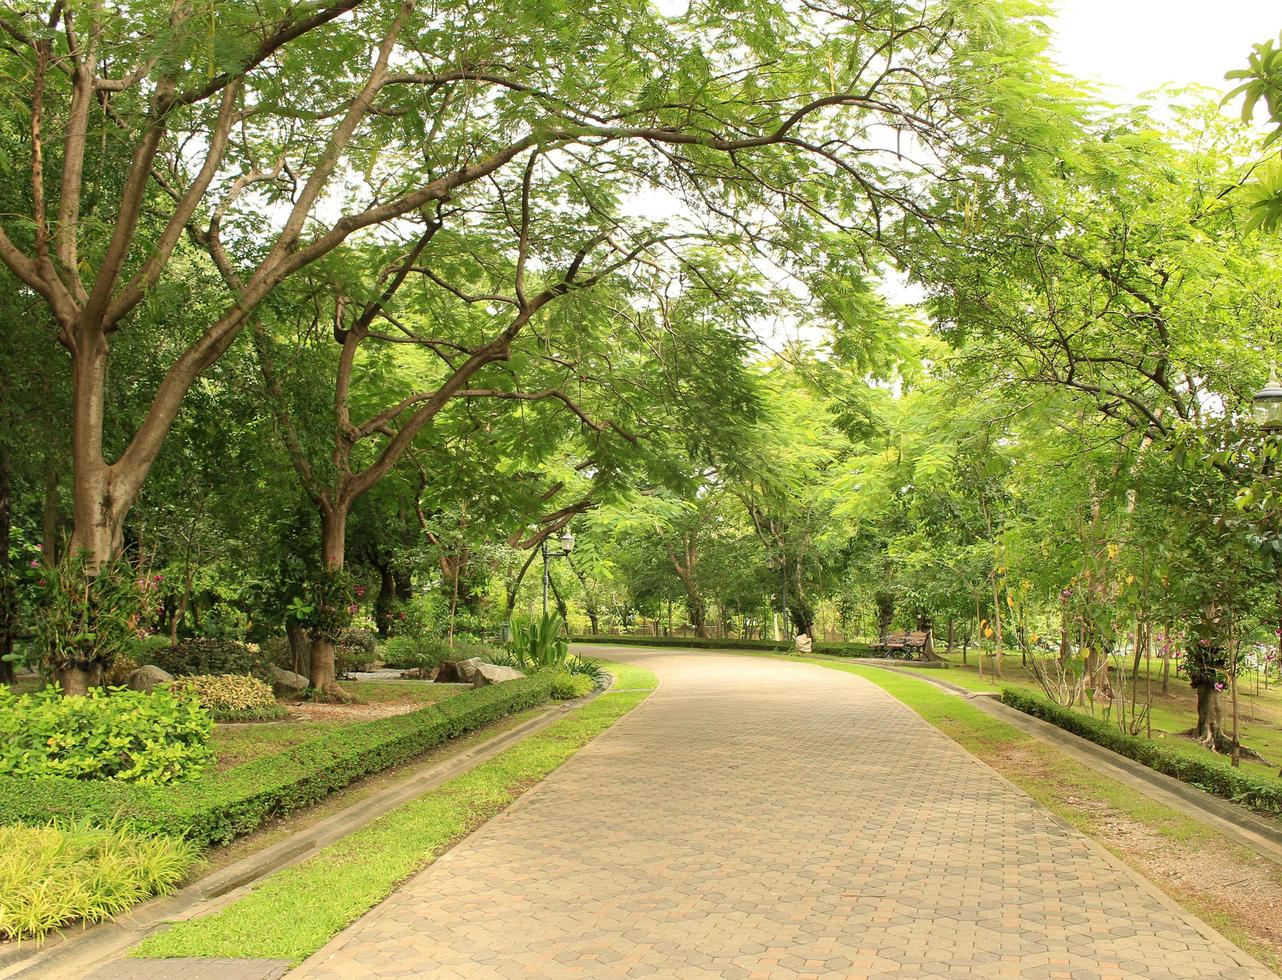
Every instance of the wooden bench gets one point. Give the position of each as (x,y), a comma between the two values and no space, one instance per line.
(902,642)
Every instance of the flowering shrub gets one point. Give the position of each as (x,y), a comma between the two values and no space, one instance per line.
(230,697)
(122,735)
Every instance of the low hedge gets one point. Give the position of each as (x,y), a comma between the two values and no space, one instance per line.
(712,643)
(1219,780)
(224,806)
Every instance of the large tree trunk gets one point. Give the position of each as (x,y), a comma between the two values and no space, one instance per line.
(333,550)
(885,615)
(8,588)
(298,646)
(385,600)
(1209,729)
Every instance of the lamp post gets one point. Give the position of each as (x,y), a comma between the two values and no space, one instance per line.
(566,543)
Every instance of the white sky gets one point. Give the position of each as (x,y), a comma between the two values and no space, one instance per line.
(1135,45)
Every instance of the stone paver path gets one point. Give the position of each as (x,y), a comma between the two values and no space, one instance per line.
(763,818)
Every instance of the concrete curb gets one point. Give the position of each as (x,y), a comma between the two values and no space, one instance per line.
(76,954)
(1260,834)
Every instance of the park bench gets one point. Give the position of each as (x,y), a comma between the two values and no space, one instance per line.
(902,642)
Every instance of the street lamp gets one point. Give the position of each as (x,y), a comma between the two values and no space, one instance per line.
(1266,404)
(566,542)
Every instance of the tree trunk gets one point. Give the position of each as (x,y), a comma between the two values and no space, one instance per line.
(8,587)
(385,600)
(298,649)
(333,550)
(49,516)
(1209,729)
(885,616)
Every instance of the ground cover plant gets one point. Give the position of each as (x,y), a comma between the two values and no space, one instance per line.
(120,736)
(52,877)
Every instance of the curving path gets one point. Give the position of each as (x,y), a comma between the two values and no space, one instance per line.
(763,818)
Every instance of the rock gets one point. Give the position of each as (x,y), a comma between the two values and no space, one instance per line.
(804,643)
(147,678)
(286,683)
(458,671)
(494,674)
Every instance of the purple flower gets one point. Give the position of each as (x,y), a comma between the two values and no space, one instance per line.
(1219,685)
(352,609)
(360,591)
(35,563)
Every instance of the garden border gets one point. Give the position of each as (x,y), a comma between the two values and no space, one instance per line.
(220,808)
(78,952)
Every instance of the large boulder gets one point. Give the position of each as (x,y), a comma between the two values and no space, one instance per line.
(494,674)
(147,678)
(285,683)
(458,671)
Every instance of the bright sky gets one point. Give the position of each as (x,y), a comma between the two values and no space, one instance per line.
(1136,45)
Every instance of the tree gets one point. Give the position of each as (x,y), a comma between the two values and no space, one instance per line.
(386,112)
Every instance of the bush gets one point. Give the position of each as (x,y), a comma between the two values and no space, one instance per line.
(230,697)
(122,735)
(711,643)
(355,649)
(52,877)
(206,656)
(566,687)
(228,804)
(1206,774)
(406,652)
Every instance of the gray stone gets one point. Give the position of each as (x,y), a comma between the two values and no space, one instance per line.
(494,674)
(458,671)
(147,678)
(286,682)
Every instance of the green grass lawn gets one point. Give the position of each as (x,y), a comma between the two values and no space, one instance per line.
(293,913)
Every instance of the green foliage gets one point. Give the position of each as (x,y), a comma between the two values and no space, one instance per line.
(1208,774)
(230,697)
(208,656)
(52,876)
(409,652)
(228,804)
(120,735)
(540,644)
(567,687)
(332,602)
(711,643)
(83,620)
(355,649)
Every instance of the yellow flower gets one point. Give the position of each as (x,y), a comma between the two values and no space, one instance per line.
(1112,550)
(988,632)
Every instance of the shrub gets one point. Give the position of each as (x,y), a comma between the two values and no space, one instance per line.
(566,687)
(712,643)
(355,650)
(225,805)
(55,876)
(1206,774)
(230,697)
(405,652)
(122,735)
(208,656)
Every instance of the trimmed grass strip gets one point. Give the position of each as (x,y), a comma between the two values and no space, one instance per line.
(296,911)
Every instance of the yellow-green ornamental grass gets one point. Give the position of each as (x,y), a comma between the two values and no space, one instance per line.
(51,877)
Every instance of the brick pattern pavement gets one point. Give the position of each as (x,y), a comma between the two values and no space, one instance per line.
(757,818)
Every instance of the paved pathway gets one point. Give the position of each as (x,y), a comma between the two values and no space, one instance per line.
(762,818)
